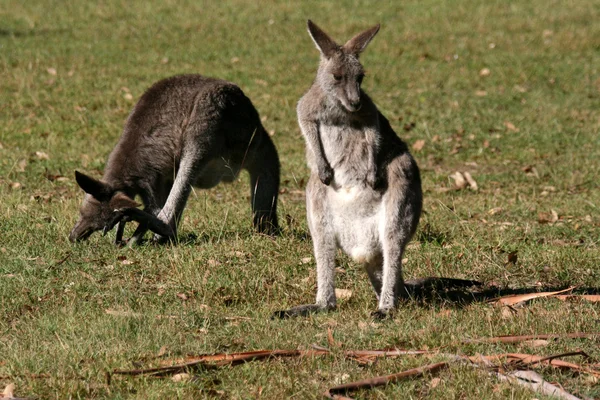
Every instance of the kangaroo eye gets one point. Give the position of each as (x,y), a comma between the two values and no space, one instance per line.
(337,77)
(360,78)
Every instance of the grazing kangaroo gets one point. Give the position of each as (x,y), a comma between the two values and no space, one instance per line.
(364,192)
(185,131)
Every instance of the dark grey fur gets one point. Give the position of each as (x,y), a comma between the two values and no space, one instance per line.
(364,193)
(184,131)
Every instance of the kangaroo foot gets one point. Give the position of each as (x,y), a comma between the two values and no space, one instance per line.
(298,311)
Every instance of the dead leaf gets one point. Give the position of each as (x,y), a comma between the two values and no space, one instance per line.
(537,343)
(520,89)
(434,383)
(418,145)
(162,351)
(485,72)
(182,296)
(51,71)
(512,258)
(470,180)
(548,218)
(459,180)
(306,260)
(495,210)
(21,164)
(9,391)
(530,170)
(510,126)
(521,298)
(343,294)
(330,339)
(41,155)
(182,377)
(480,93)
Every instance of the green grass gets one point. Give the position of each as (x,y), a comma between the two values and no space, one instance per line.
(66,68)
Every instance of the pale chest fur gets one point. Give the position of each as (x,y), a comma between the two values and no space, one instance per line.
(356,209)
(350,152)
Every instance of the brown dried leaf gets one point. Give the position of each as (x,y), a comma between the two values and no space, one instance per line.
(512,258)
(182,296)
(537,343)
(162,351)
(182,377)
(51,71)
(510,126)
(548,218)
(485,72)
(21,164)
(480,93)
(470,180)
(9,391)
(418,145)
(40,155)
(330,339)
(343,294)
(459,180)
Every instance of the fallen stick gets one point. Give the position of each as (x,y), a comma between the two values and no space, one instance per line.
(536,383)
(523,338)
(384,380)
(218,360)
(521,298)
(211,361)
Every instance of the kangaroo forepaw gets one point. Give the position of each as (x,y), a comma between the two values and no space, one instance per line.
(118,217)
(298,311)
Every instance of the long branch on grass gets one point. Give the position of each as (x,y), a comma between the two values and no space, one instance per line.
(521,298)
(523,338)
(211,361)
(384,380)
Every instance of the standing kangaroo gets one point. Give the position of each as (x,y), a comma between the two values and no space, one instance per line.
(364,192)
(184,131)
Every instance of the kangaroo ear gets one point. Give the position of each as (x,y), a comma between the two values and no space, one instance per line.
(326,45)
(359,42)
(98,189)
(121,200)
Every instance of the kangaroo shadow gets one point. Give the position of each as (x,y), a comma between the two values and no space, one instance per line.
(462,292)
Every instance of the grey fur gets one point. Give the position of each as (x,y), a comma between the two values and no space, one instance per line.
(185,131)
(364,193)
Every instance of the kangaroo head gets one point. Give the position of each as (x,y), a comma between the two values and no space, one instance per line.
(340,72)
(98,205)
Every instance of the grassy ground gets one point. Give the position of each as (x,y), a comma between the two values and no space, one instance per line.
(528,132)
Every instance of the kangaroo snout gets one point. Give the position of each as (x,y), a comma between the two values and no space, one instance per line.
(80,233)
